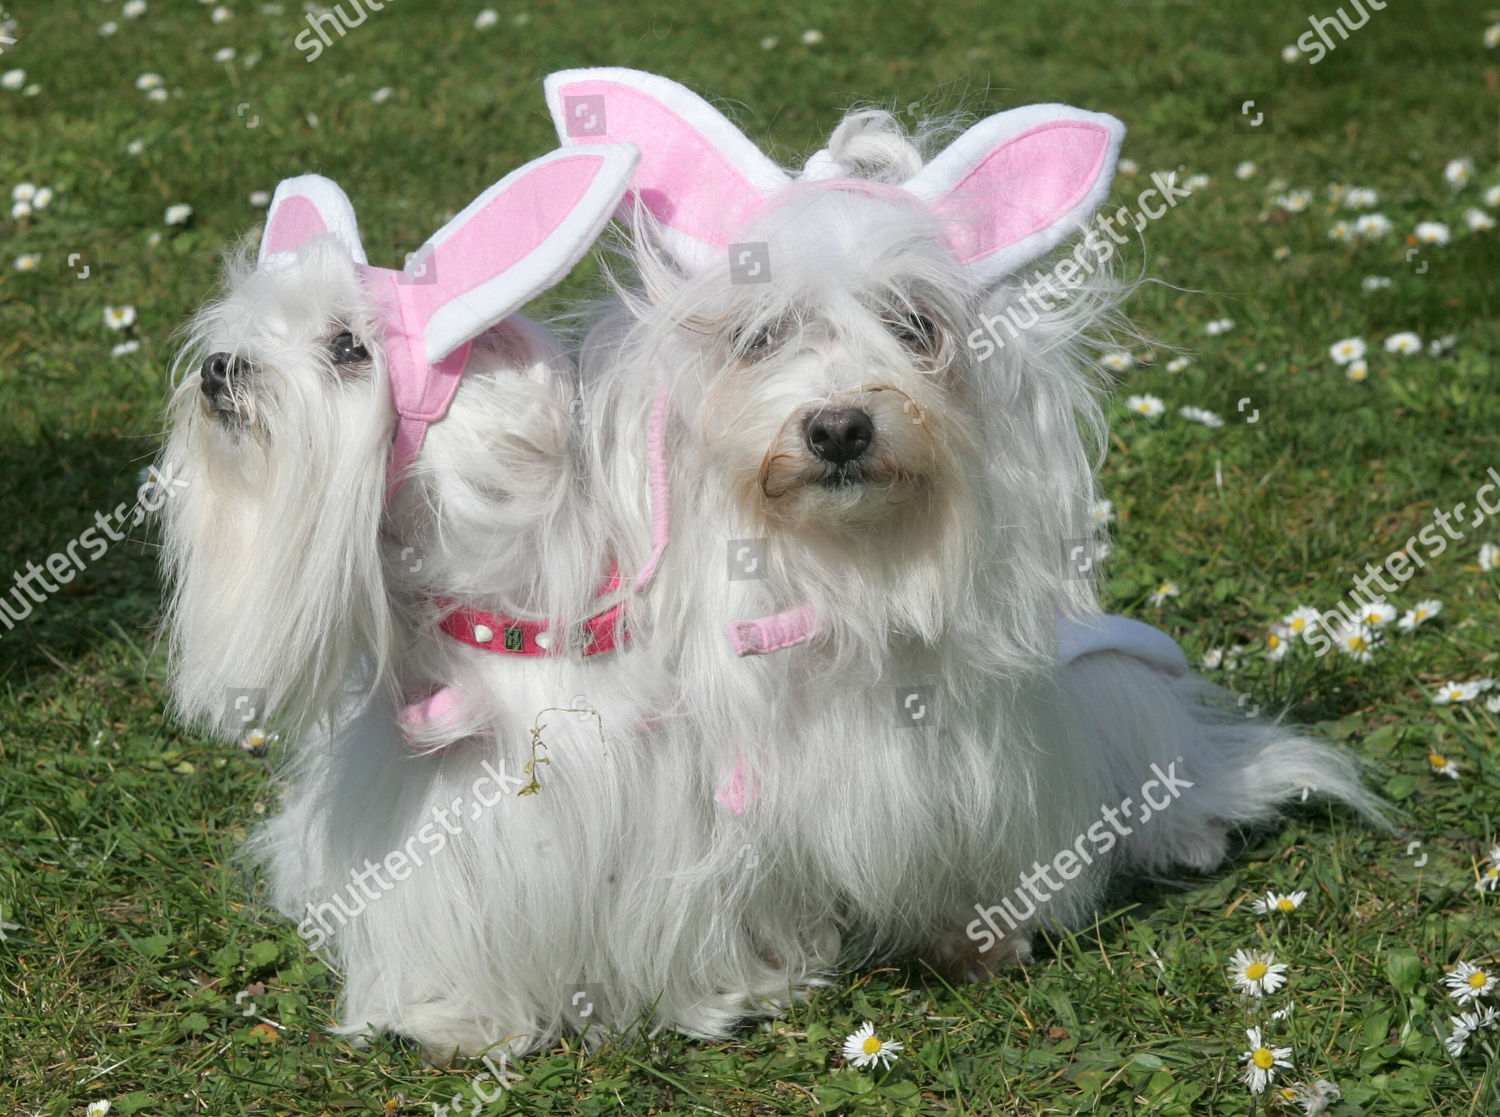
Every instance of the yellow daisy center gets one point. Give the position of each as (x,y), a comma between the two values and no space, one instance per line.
(1284,904)
(1273,640)
(1255,971)
(1263,1058)
(1492,873)
(1297,623)
(873,1045)
(1478,980)
(1437,760)
(1358,643)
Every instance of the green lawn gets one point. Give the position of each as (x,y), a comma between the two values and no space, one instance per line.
(130,928)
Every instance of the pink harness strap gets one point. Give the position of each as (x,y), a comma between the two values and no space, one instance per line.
(772,634)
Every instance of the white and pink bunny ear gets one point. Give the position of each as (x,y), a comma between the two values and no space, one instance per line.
(305,208)
(514,241)
(699,175)
(1019,183)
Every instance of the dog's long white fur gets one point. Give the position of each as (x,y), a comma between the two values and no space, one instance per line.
(620,871)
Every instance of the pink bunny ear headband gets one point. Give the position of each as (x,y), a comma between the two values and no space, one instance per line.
(511,243)
(1008,190)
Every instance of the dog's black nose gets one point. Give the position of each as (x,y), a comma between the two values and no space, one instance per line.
(220,370)
(839,434)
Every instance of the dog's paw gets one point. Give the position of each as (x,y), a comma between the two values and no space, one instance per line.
(444,1033)
(959,958)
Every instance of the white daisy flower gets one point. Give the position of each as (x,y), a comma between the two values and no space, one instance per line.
(135,147)
(1262,1062)
(1492,36)
(1357,642)
(1361,197)
(1467,982)
(1492,195)
(221,15)
(125,348)
(1489,553)
(133,9)
(1197,182)
(1200,415)
(1349,349)
(1281,252)
(382,95)
(1373,225)
(97,1108)
(1377,614)
(1294,202)
(1421,613)
(27,261)
(1211,659)
(224,54)
(1128,167)
(1371,283)
(1148,406)
(1432,232)
(1177,364)
(1282,904)
(1341,231)
(260,198)
(1102,512)
(43,198)
(1117,361)
(148,81)
(1465,1024)
(119,317)
(157,95)
(178,214)
(865,1049)
(1277,643)
(1159,595)
(1478,221)
(1246,169)
(20,210)
(1290,53)
(1284,1013)
(108,27)
(23,192)
(1219,326)
(12,79)
(487,18)
(769,42)
(1451,692)
(1256,972)
(1302,620)
(1458,172)
(1441,765)
(1357,371)
(1312,1098)
(1406,343)
(1440,345)
(812,37)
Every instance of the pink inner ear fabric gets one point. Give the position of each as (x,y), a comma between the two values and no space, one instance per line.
(1023,186)
(682,178)
(295,222)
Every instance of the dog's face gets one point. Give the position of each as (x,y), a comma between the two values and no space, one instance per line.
(287,360)
(836,392)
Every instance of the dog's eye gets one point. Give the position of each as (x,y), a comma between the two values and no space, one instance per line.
(753,342)
(347,351)
(915,331)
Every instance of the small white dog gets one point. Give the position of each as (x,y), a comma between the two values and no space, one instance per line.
(659,699)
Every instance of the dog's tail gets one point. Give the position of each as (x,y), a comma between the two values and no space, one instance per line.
(1195,764)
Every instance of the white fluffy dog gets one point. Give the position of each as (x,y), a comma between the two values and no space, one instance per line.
(656,701)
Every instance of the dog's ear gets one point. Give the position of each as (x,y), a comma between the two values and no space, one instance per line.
(1019,183)
(699,176)
(305,208)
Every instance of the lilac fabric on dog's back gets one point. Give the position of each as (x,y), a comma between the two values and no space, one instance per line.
(1120,634)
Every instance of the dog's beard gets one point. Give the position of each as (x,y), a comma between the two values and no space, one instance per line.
(273,549)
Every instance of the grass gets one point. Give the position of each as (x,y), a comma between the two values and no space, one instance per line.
(132,931)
